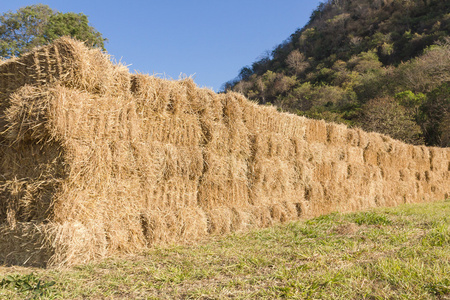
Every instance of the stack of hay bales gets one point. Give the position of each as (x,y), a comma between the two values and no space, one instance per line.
(96,161)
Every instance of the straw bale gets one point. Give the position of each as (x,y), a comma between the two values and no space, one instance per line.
(220,220)
(68,62)
(23,200)
(316,153)
(168,226)
(336,134)
(298,146)
(353,137)
(272,180)
(371,156)
(31,170)
(25,244)
(223,220)
(238,136)
(316,131)
(97,162)
(229,192)
(261,216)
(263,119)
(258,118)
(355,155)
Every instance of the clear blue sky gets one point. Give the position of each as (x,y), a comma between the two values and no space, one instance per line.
(211,40)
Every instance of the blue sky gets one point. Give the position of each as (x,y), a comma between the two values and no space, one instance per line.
(211,40)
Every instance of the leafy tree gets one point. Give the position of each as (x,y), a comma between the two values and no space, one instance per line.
(37,25)
(23,30)
(245,73)
(436,116)
(365,62)
(411,101)
(75,25)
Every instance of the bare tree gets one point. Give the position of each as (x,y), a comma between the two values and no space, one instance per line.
(385,115)
(296,62)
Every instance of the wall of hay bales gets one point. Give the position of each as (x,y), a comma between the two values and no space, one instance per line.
(96,161)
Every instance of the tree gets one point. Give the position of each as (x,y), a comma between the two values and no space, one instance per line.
(75,25)
(436,116)
(385,115)
(245,73)
(428,71)
(383,65)
(37,25)
(23,30)
(296,62)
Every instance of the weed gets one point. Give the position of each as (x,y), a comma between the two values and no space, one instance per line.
(439,236)
(439,288)
(26,284)
(371,218)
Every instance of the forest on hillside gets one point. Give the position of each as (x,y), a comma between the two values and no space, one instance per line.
(382,65)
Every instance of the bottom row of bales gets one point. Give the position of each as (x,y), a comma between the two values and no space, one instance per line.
(88,175)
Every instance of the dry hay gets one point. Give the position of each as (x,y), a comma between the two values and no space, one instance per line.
(97,162)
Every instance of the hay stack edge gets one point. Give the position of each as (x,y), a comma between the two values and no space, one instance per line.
(96,161)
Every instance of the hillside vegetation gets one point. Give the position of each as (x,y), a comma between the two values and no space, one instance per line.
(394,253)
(382,65)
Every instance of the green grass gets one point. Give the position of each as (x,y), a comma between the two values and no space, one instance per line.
(393,253)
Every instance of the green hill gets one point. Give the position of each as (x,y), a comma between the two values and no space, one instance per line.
(382,65)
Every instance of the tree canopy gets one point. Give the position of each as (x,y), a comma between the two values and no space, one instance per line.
(382,65)
(37,25)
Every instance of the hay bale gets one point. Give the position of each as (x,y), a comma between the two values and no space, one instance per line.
(25,244)
(97,162)
(68,62)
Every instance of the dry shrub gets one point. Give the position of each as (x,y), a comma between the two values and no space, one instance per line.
(97,162)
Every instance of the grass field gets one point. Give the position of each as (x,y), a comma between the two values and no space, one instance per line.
(393,253)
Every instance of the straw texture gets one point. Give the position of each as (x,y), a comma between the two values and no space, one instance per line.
(96,161)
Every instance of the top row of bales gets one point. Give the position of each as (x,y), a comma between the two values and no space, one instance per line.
(97,161)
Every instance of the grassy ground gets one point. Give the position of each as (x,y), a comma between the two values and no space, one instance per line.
(395,253)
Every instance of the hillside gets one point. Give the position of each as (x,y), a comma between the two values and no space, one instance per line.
(380,65)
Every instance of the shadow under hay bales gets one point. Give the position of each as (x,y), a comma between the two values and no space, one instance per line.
(96,161)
